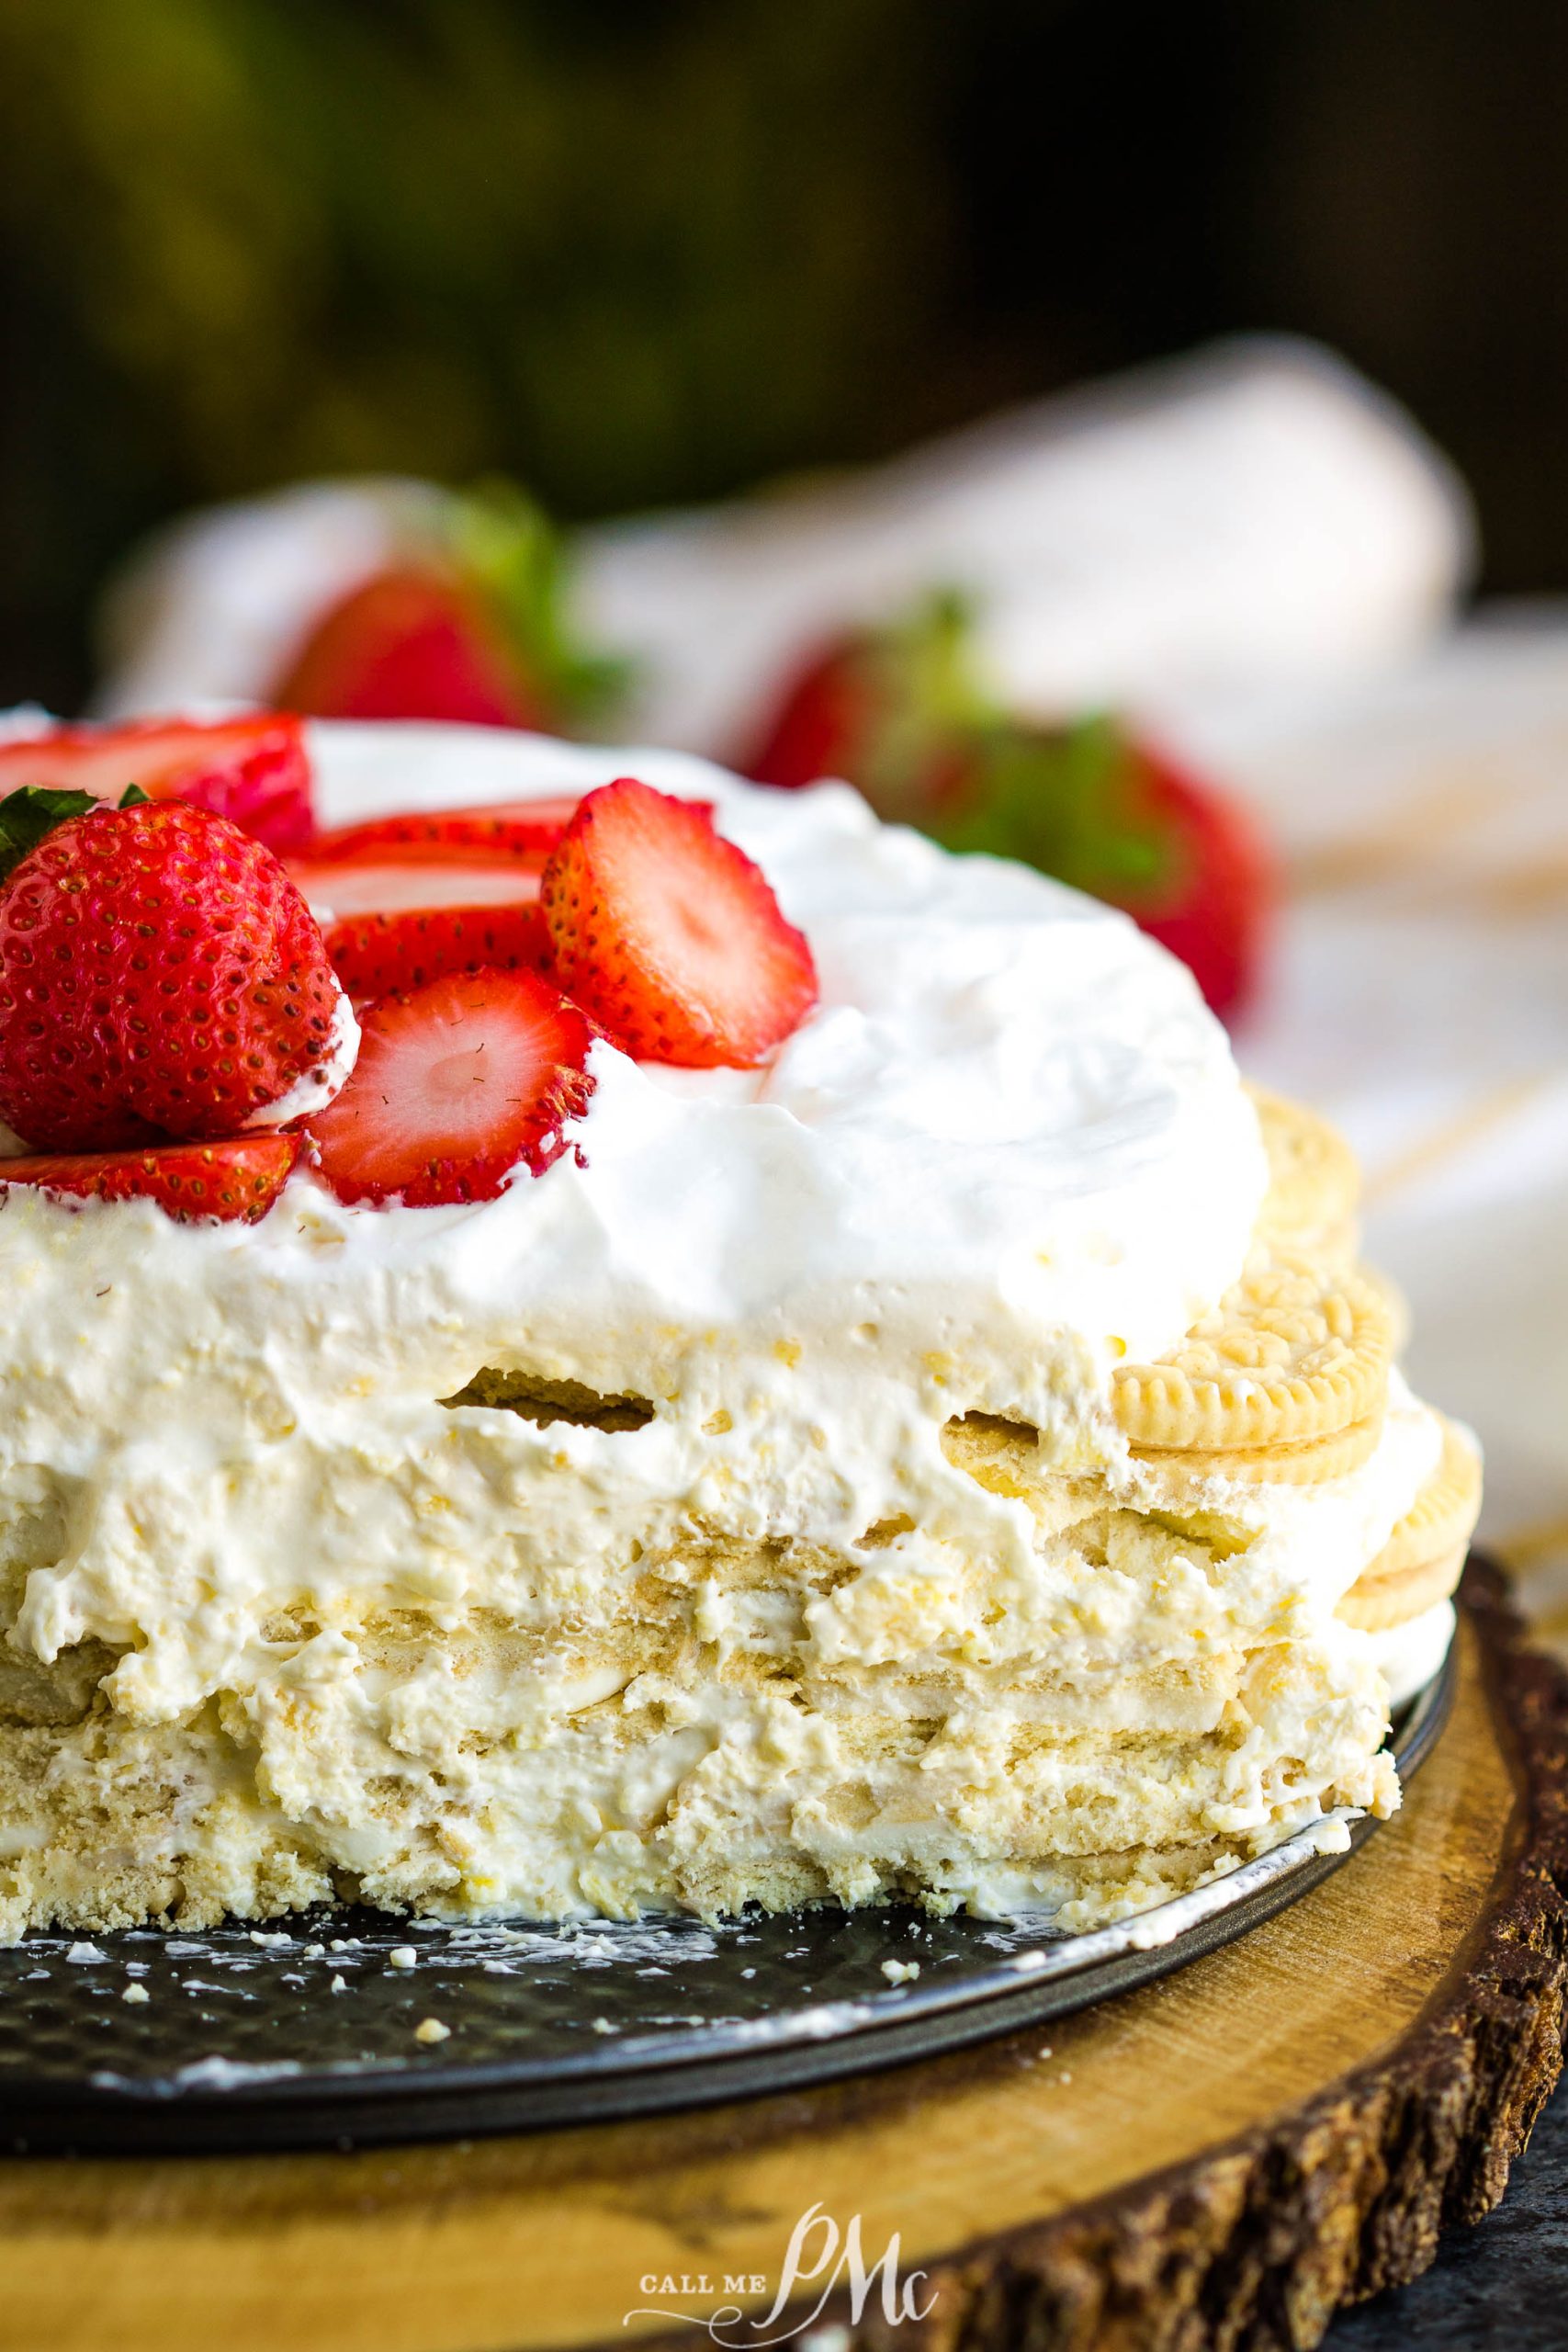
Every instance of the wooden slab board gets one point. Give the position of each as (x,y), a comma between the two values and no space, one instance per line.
(1224,2156)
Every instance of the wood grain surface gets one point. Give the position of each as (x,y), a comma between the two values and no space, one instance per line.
(1224,2157)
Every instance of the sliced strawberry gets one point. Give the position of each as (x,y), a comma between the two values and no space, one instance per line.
(670,935)
(386,885)
(191,1180)
(457,1085)
(255,771)
(375,955)
(395,922)
(411,643)
(521,830)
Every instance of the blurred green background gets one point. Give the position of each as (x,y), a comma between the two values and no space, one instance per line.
(632,253)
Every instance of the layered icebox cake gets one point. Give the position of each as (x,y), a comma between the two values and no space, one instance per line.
(946,1452)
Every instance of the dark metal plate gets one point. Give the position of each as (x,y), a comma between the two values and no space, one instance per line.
(308,2037)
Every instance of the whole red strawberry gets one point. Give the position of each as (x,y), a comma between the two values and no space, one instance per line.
(160,974)
(466,623)
(899,713)
(1210,899)
(413,643)
(896,711)
(670,935)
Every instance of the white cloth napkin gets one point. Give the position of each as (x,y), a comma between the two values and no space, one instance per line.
(1254,512)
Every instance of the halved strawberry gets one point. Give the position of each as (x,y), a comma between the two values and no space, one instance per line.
(670,935)
(227,1182)
(524,830)
(347,887)
(457,1085)
(255,771)
(375,955)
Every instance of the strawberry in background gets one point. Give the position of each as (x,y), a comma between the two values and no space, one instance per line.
(899,713)
(466,622)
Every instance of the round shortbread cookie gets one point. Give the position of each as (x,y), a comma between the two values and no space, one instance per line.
(1393,1298)
(1442,1515)
(1308,1462)
(1293,1351)
(1377,1604)
(1315,1182)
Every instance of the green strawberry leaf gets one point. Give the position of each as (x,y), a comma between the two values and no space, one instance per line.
(1073,803)
(31,813)
(939,751)
(931,706)
(506,544)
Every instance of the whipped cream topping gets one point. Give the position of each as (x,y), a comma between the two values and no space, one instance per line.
(1008,1107)
(1010,1147)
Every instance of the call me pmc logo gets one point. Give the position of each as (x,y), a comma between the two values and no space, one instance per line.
(817,2256)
